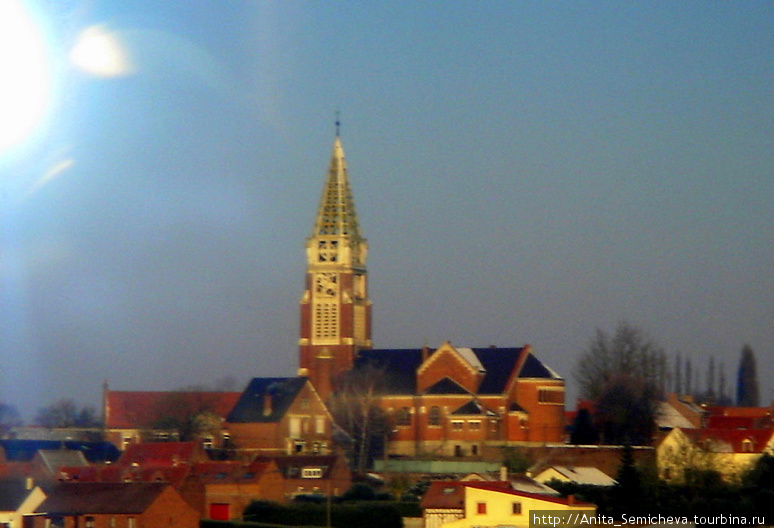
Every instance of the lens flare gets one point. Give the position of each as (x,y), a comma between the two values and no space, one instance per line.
(101,53)
(24,90)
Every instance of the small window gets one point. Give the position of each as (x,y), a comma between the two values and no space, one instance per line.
(89,521)
(474,425)
(457,425)
(131,522)
(310,473)
(404,416)
(481,508)
(516,508)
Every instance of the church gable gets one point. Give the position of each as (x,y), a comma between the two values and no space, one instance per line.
(448,362)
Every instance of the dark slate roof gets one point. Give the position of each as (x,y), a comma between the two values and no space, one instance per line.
(499,364)
(515,407)
(13,493)
(534,368)
(24,450)
(400,366)
(473,408)
(250,406)
(101,498)
(447,386)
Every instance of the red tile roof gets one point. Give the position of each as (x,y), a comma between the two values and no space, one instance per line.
(143,409)
(101,498)
(719,440)
(162,454)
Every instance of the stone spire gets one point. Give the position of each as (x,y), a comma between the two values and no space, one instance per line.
(336,237)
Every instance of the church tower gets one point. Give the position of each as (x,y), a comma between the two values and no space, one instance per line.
(335,309)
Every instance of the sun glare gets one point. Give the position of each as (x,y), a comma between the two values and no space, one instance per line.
(24,90)
(100,53)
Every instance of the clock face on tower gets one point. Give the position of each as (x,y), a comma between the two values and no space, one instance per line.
(326,284)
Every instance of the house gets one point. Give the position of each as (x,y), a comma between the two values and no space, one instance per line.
(312,475)
(280,416)
(115,505)
(152,462)
(469,504)
(584,475)
(18,497)
(730,452)
(230,487)
(133,417)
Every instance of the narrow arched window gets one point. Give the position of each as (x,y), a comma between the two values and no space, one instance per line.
(434,416)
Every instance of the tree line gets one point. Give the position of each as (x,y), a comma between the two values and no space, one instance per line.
(625,374)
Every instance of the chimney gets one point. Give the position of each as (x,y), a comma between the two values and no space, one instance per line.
(503,473)
(29,483)
(267,407)
(425,353)
(570,500)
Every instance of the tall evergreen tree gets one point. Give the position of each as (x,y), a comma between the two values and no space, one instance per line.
(747,379)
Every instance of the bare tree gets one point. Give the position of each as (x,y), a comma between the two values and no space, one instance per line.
(355,409)
(187,413)
(9,418)
(628,352)
(65,413)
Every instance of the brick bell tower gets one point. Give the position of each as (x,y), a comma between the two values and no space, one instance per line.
(335,309)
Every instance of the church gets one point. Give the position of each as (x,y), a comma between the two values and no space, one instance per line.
(451,401)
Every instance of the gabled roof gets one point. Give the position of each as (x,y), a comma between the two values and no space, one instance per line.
(53,460)
(144,409)
(582,475)
(534,368)
(447,386)
(473,408)
(731,440)
(489,486)
(450,494)
(162,454)
(79,498)
(669,417)
(495,363)
(13,493)
(266,400)
(120,473)
(399,366)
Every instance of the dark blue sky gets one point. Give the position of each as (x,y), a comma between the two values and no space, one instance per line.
(525,172)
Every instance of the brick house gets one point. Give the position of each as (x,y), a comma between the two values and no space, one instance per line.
(132,417)
(229,487)
(280,416)
(312,475)
(115,505)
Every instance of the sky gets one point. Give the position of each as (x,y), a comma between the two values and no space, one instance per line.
(524,172)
